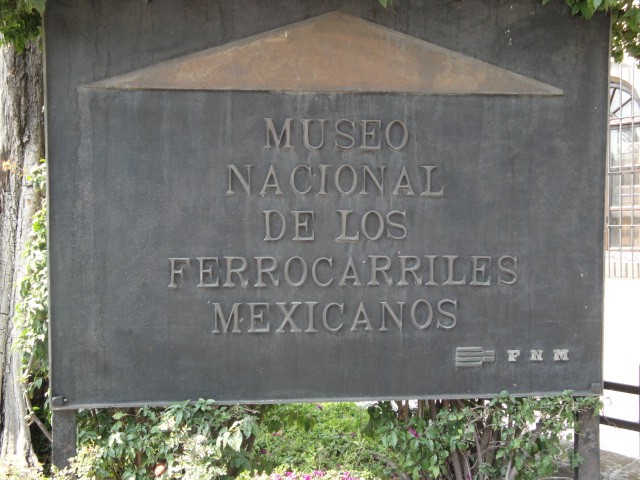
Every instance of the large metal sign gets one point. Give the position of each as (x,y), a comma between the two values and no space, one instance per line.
(274,201)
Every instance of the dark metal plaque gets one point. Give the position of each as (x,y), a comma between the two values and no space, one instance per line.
(278,201)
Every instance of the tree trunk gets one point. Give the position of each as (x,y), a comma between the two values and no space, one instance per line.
(21,147)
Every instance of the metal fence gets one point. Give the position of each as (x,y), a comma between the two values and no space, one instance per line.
(622,215)
(618,422)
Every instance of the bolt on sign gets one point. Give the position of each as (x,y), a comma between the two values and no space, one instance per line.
(296,200)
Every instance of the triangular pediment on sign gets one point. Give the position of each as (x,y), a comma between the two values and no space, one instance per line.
(335,52)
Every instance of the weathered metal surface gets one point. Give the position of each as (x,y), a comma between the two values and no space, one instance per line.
(334,52)
(587,446)
(278,246)
(65,432)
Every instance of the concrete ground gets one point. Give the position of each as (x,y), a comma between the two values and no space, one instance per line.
(613,466)
(618,467)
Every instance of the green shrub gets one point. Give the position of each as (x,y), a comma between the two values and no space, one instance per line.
(199,441)
(505,437)
(315,437)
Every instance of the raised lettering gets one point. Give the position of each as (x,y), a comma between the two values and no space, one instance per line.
(350,273)
(383,269)
(354,180)
(325,315)
(369,135)
(302,219)
(560,355)
(345,135)
(344,214)
(314,271)
(430,260)
(268,237)
(303,272)
(428,191)
(237,270)
(428,317)
(233,316)
(379,220)
(271,181)
(412,269)
(207,272)
(292,179)
(450,266)
(397,225)
(311,309)
(233,171)
(179,272)
(323,179)
(272,134)
(397,319)
(361,318)
(305,131)
(261,270)
(450,315)
(257,317)
(379,183)
(510,270)
(480,269)
(404,184)
(512,355)
(405,135)
(536,355)
(287,317)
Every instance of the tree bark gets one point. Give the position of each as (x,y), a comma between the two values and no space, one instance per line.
(21,147)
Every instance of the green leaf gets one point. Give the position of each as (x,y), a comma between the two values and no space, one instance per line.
(393,441)
(519,462)
(235,440)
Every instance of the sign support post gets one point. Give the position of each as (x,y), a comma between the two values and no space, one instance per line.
(587,445)
(64,426)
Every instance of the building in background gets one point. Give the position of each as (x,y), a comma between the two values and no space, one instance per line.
(622,234)
(622,258)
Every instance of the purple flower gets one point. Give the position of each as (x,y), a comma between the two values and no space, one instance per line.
(347,476)
(413,432)
(318,406)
